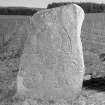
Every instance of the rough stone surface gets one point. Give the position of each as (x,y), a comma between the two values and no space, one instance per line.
(93,40)
(52,66)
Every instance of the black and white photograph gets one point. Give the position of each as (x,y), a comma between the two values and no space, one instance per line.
(52,52)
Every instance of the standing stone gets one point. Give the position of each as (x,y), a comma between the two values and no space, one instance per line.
(52,66)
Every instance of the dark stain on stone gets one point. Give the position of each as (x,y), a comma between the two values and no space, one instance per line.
(51,102)
(102,57)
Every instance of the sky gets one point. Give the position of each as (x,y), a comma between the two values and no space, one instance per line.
(39,3)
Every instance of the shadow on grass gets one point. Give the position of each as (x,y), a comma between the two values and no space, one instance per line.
(97,84)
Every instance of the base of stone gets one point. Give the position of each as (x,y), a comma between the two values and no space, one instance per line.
(21,100)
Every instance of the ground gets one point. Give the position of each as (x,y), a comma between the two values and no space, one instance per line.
(93,93)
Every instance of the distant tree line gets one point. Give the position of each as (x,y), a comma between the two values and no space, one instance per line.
(18,11)
(87,7)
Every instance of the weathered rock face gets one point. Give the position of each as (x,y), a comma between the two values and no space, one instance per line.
(52,66)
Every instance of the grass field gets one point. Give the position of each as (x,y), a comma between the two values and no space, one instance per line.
(93,39)
(11,45)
